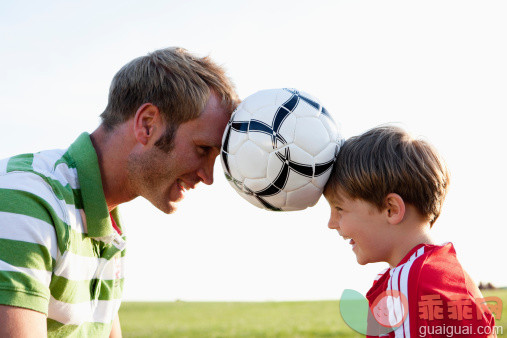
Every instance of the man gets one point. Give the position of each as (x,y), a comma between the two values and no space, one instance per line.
(61,242)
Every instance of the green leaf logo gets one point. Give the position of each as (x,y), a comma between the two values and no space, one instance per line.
(386,314)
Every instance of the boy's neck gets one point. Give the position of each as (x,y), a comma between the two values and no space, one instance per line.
(412,231)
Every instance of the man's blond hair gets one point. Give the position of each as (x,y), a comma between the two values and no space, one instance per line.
(387,160)
(172,79)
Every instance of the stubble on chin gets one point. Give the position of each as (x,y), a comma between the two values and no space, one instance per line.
(168,209)
(146,177)
(162,203)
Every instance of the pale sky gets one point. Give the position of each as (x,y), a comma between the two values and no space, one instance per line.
(436,68)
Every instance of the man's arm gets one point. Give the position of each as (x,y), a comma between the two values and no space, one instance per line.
(116,330)
(28,249)
(20,322)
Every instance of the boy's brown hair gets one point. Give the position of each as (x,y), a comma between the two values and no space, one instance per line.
(387,160)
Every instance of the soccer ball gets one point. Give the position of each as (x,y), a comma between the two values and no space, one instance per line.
(278,149)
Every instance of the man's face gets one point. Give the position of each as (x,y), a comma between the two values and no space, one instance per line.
(163,177)
(363,225)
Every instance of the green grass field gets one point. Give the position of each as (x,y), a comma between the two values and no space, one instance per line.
(268,319)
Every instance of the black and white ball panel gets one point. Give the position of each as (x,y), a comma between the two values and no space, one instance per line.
(281,135)
(251,160)
(312,142)
(278,149)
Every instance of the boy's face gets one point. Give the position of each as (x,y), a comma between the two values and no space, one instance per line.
(363,225)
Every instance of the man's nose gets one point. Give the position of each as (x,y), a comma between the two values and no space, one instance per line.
(205,173)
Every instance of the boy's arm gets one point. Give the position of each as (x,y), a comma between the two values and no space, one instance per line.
(20,322)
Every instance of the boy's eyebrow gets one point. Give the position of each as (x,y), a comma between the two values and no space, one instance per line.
(335,198)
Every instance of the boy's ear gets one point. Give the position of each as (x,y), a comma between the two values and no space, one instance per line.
(145,122)
(395,208)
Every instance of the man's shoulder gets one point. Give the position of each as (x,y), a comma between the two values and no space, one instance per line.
(53,169)
(40,186)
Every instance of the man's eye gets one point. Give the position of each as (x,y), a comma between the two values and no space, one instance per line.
(203,150)
(338,208)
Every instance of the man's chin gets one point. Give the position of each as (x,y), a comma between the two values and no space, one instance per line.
(170,209)
(167,207)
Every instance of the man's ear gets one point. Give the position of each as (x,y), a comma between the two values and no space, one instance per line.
(146,122)
(395,208)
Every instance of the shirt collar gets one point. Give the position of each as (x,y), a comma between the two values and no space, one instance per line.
(412,253)
(94,202)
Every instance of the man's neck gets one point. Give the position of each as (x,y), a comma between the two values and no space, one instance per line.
(112,153)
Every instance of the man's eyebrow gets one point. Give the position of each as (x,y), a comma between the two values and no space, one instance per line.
(209,143)
(217,145)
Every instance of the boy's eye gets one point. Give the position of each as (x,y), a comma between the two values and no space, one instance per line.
(338,208)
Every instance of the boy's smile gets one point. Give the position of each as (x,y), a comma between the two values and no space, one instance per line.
(363,225)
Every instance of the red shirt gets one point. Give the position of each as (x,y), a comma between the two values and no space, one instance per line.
(440,297)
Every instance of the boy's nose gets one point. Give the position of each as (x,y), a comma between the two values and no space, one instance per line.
(332,224)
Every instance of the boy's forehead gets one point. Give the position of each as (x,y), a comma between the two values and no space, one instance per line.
(336,195)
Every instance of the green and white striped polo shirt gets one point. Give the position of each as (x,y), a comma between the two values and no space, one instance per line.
(59,253)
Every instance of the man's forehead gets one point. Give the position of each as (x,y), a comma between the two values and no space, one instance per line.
(210,128)
(211,123)
(209,137)
(217,145)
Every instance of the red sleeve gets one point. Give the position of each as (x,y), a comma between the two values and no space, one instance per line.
(443,300)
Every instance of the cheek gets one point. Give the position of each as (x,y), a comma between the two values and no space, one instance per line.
(183,159)
(361,224)
(190,164)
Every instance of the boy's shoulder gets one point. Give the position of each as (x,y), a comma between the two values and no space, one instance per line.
(430,284)
(426,269)
(429,273)
(437,264)
(441,273)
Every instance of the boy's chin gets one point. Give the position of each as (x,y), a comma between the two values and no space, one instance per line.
(362,260)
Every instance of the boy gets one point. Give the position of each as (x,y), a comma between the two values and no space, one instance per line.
(386,192)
